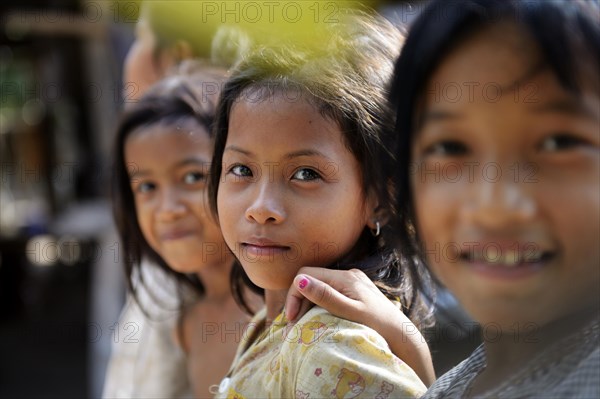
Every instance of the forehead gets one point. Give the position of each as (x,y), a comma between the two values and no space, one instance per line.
(501,55)
(290,108)
(169,138)
(282,123)
(500,66)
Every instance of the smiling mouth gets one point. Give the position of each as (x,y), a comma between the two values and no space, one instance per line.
(506,258)
(176,235)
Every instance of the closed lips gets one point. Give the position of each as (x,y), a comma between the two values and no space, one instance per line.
(263,247)
(263,243)
(175,234)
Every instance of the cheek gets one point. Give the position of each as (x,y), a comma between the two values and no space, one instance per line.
(576,218)
(144,218)
(427,212)
(335,226)
(226,211)
(210,224)
(213,232)
(435,210)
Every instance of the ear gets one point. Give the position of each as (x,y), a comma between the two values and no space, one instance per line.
(374,212)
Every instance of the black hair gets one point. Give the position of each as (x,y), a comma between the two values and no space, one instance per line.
(346,81)
(566,32)
(172,100)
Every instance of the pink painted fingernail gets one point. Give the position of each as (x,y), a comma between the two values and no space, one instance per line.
(303,283)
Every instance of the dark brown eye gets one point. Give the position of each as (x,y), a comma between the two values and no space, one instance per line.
(241,171)
(193,177)
(145,187)
(447,148)
(306,174)
(561,142)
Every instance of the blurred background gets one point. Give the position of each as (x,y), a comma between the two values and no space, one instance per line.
(61,288)
(61,284)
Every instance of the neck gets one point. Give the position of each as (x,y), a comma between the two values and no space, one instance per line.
(274,301)
(507,353)
(215,279)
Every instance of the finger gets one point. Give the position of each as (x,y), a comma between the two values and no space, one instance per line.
(305,306)
(340,280)
(325,296)
(296,305)
(293,302)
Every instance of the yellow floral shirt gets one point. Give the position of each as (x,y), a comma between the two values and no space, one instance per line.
(321,356)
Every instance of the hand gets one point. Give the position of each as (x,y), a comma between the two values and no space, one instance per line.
(351,295)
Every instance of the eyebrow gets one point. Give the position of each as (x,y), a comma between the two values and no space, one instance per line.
(439,116)
(237,149)
(191,161)
(182,163)
(290,155)
(571,106)
(305,153)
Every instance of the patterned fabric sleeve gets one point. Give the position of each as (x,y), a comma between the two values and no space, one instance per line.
(334,358)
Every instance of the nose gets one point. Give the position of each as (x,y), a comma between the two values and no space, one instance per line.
(498,204)
(267,205)
(170,206)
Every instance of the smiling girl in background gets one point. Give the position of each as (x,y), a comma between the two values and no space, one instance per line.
(519,248)
(163,153)
(167,36)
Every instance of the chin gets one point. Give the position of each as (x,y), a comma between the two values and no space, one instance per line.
(270,285)
(183,267)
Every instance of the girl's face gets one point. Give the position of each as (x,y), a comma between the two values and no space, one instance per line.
(142,68)
(507,183)
(290,193)
(168,168)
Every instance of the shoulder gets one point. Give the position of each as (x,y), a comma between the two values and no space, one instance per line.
(580,374)
(319,332)
(457,380)
(320,320)
(337,357)
(587,374)
(569,368)
(135,370)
